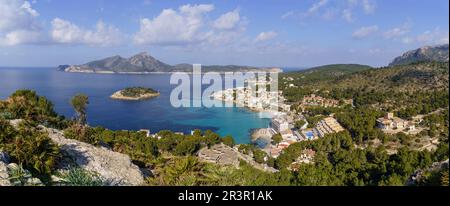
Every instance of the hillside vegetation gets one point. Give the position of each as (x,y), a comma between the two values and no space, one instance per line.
(417,77)
(326,72)
(137,91)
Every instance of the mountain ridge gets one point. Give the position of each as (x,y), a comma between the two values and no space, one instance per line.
(145,63)
(439,53)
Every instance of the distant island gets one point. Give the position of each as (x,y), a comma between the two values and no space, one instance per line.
(135,93)
(143,63)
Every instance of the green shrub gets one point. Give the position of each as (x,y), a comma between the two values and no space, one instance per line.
(80,177)
(31,148)
(18,176)
(26,104)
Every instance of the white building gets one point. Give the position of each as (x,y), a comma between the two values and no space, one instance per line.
(280,124)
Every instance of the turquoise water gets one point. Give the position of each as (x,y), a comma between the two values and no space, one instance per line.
(155,114)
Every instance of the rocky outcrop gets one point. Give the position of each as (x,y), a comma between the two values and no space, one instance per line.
(4,176)
(438,53)
(112,167)
(419,174)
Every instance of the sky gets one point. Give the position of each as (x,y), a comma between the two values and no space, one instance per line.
(279,33)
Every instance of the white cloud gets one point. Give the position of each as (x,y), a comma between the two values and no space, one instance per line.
(315,7)
(228,20)
(265,36)
(314,10)
(65,32)
(222,38)
(287,15)
(27,7)
(407,40)
(173,27)
(436,36)
(328,11)
(188,26)
(18,23)
(17,37)
(369,6)
(365,31)
(347,15)
(397,31)
(430,37)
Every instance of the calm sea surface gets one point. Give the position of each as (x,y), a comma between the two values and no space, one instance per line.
(155,114)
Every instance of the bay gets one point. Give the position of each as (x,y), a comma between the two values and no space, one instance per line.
(156,114)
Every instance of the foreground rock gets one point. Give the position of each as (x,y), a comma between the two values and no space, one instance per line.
(112,167)
(12,174)
(4,176)
(224,155)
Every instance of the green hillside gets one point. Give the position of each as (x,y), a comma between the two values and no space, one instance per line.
(402,84)
(338,68)
(326,72)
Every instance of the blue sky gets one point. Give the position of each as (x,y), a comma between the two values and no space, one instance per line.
(247,32)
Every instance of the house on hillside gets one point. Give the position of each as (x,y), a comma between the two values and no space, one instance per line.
(390,122)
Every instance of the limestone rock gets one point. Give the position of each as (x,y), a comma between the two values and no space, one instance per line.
(113,167)
(33,182)
(4,176)
(14,175)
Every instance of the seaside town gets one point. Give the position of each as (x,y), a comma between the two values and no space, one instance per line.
(283,119)
(288,124)
(284,125)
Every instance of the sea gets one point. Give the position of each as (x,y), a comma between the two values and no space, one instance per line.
(155,114)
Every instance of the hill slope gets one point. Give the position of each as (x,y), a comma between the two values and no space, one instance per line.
(326,72)
(428,53)
(412,77)
(417,77)
(337,69)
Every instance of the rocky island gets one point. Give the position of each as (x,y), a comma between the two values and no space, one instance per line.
(135,93)
(143,63)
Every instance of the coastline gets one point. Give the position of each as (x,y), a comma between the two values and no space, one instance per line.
(253,109)
(174,72)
